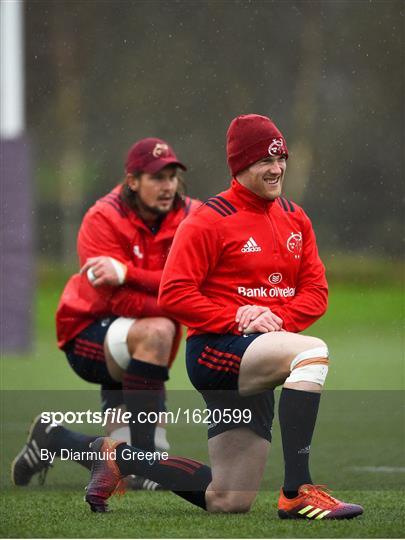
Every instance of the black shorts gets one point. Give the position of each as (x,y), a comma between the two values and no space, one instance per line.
(85,354)
(213,362)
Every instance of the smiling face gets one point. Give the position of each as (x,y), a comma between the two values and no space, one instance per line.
(265,177)
(155,192)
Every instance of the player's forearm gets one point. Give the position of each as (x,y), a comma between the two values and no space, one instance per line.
(148,280)
(304,310)
(129,303)
(186,305)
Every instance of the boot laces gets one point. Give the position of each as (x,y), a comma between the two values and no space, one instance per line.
(120,488)
(320,492)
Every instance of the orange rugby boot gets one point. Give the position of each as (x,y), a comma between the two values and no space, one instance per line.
(314,502)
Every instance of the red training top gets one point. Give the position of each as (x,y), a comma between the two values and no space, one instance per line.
(112,229)
(238,249)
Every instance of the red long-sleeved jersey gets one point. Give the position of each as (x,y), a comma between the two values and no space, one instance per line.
(239,249)
(112,229)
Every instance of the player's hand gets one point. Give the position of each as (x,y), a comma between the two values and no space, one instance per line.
(246,314)
(264,323)
(104,271)
(268,321)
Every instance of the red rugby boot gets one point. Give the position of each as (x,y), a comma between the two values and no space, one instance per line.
(105,474)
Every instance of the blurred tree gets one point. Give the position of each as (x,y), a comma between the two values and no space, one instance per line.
(102,74)
(305,104)
(71,160)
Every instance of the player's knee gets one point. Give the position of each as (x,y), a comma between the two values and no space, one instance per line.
(306,347)
(165,329)
(317,343)
(156,334)
(229,502)
(161,333)
(311,364)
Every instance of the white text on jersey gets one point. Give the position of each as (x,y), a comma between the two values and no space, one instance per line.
(265,292)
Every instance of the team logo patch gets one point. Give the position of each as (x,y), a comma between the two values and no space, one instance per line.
(275,278)
(160,150)
(294,244)
(276,147)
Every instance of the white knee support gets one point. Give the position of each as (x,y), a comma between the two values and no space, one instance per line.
(315,373)
(116,337)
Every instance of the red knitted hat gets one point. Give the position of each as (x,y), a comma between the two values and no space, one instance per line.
(250,138)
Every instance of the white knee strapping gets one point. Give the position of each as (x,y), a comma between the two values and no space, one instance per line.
(315,373)
(116,338)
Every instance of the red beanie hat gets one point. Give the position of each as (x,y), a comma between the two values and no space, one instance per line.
(250,138)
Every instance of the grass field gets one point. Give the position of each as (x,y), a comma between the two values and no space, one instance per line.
(359,446)
(58,514)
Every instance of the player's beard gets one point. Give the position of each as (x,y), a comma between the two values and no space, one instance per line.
(154,210)
(132,199)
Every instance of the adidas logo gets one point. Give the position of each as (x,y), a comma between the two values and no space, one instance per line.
(250,246)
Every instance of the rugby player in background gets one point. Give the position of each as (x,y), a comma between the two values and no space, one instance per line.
(108,321)
(245,277)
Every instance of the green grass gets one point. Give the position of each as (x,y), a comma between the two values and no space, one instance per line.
(359,425)
(61,514)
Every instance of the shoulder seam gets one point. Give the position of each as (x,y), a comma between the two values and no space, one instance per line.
(115,202)
(286,204)
(226,203)
(221,206)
